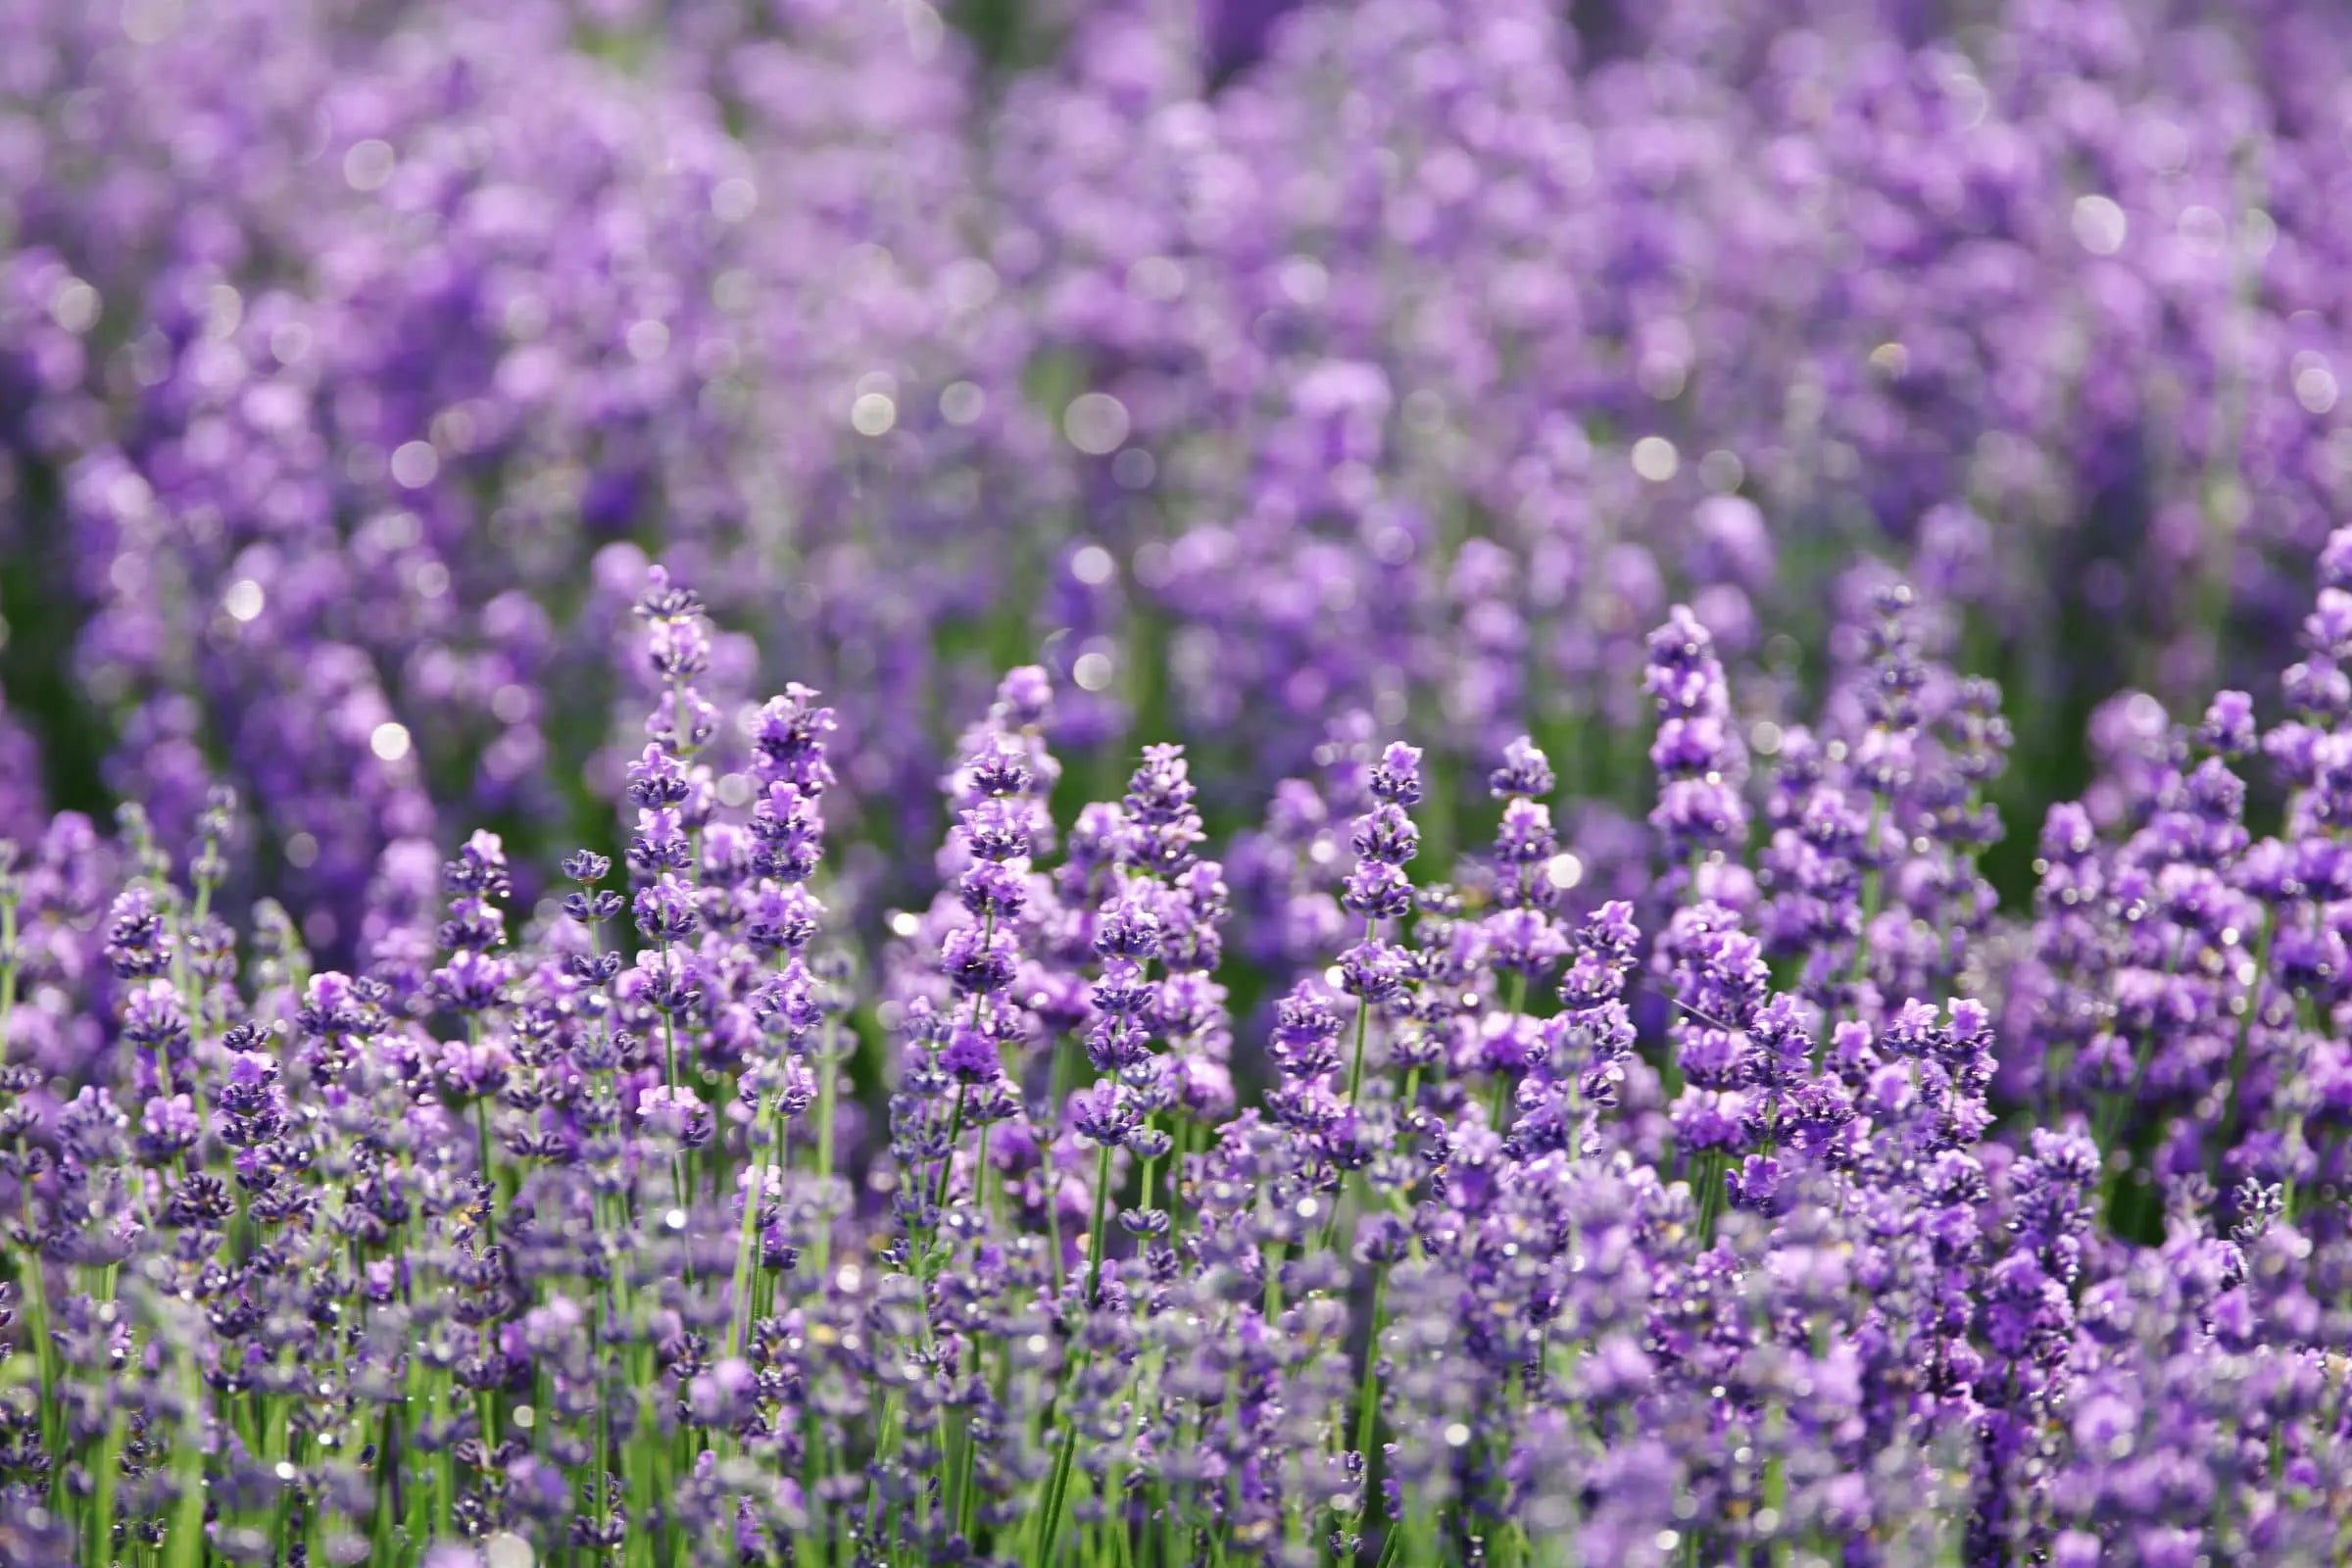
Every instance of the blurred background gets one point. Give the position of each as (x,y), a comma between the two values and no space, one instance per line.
(1281,376)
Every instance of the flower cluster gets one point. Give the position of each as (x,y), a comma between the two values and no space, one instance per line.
(1246,367)
(634,1227)
(1583,791)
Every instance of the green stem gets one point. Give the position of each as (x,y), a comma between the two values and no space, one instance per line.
(2115,1111)
(1094,1240)
(754,1189)
(1052,1178)
(36,1329)
(387,1462)
(481,1127)
(1057,1486)
(826,1068)
(947,1162)
(1058,1482)
(1710,1194)
(445,1469)
(1367,1393)
(2234,1117)
(1339,1194)
(984,1196)
(885,1438)
(1176,1157)
(416,1505)
(962,1499)
(1356,1065)
(109,1474)
(670,1035)
(185,1543)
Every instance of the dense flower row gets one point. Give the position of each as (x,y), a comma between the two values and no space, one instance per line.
(1799,1209)
(1285,1146)
(354,359)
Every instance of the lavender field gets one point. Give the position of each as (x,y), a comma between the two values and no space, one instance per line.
(1175,783)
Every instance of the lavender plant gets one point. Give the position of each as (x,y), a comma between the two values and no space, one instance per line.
(1583,798)
(1248,368)
(563,1233)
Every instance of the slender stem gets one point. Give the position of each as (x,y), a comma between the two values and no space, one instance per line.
(1057,1481)
(961,1493)
(2234,1117)
(1176,1158)
(1094,1240)
(947,1162)
(884,1438)
(1356,1065)
(1367,1392)
(2114,1115)
(983,1195)
(387,1465)
(109,1475)
(669,1045)
(36,1329)
(599,1459)
(826,1067)
(1151,1166)
(1710,1194)
(1057,1484)
(184,1542)
(481,1127)
(445,1472)
(739,1301)
(1338,1196)
(1051,1176)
